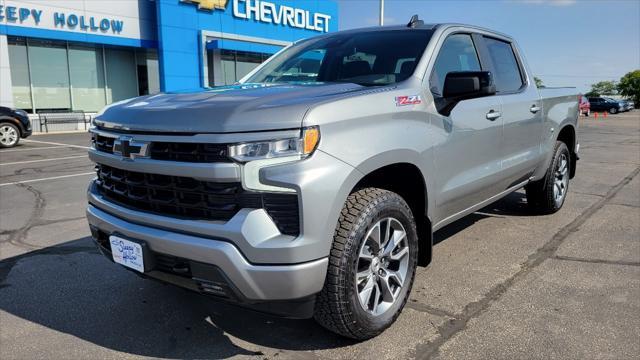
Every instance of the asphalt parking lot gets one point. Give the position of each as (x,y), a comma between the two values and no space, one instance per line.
(504,284)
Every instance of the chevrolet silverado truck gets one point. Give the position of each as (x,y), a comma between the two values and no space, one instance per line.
(312,187)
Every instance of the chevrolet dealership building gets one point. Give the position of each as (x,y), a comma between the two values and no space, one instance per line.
(85,54)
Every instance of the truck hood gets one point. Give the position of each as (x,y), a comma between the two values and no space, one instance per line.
(237,108)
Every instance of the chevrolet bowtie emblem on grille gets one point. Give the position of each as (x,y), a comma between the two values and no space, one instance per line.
(208,4)
(130,149)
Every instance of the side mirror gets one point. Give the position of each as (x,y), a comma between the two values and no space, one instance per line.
(464,85)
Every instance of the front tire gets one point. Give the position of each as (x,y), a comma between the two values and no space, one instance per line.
(9,135)
(613,110)
(371,266)
(546,196)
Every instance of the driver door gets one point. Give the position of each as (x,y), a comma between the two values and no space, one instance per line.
(467,157)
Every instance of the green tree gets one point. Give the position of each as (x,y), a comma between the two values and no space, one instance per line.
(538,81)
(603,88)
(629,86)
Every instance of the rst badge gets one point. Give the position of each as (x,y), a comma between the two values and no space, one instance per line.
(408,100)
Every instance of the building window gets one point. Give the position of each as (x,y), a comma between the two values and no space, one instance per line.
(19,63)
(226,67)
(122,80)
(49,75)
(148,78)
(245,62)
(57,75)
(87,78)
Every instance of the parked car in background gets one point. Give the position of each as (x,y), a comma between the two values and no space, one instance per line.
(631,105)
(605,104)
(14,125)
(624,104)
(585,107)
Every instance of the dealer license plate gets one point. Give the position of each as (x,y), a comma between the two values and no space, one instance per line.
(127,253)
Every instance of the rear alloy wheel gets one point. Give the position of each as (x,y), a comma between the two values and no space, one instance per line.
(371,265)
(547,195)
(9,135)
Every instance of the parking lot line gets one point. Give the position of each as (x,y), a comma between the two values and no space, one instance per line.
(47,178)
(41,160)
(31,149)
(55,143)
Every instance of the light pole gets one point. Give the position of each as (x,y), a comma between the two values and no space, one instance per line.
(381,12)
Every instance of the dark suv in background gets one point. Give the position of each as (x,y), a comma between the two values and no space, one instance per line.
(605,104)
(14,124)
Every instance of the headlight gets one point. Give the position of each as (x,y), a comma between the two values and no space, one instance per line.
(300,147)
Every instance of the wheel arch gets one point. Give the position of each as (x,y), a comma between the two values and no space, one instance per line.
(412,187)
(567,135)
(12,121)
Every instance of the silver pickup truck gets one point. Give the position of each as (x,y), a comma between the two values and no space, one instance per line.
(313,187)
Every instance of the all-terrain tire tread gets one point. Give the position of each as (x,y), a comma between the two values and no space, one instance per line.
(332,309)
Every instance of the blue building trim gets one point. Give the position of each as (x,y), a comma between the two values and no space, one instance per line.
(227,44)
(180,44)
(75,36)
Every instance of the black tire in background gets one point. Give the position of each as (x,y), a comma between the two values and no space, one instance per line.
(542,195)
(338,306)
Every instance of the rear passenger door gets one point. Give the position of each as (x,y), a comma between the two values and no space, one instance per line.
(467,158)
(521,112)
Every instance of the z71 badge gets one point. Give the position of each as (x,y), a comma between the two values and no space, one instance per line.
(408,100)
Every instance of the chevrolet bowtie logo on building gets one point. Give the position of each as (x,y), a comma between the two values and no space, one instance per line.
(208,4)
(130,149)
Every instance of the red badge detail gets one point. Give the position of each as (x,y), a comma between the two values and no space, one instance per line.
(408,100)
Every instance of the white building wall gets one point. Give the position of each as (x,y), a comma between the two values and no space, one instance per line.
(6,94)
(137,16)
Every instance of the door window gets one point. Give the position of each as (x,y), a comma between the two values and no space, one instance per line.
(507,72)
(456,54)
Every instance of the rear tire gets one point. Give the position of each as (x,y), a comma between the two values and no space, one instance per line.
(9,135)
(546,196)
(371,265)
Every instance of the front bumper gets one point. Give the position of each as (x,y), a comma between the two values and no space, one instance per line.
(217,267)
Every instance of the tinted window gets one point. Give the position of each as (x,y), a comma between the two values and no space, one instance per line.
(367,58)
(456,54)
(507,73)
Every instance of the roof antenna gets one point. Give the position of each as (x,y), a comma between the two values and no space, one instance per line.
(415,22)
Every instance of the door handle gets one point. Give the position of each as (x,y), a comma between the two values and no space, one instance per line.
(492,115)
(534,108)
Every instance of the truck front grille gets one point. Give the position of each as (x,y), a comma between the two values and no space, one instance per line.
(173,151)
(193,199)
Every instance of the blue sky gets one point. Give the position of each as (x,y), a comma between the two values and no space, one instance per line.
(566,42)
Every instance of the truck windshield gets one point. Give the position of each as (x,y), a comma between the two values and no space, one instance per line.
(369,58)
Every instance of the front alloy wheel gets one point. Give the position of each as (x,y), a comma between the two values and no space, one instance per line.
(372,264)
(9,135)
(382,267)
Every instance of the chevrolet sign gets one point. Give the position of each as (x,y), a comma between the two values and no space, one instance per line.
(268,12)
